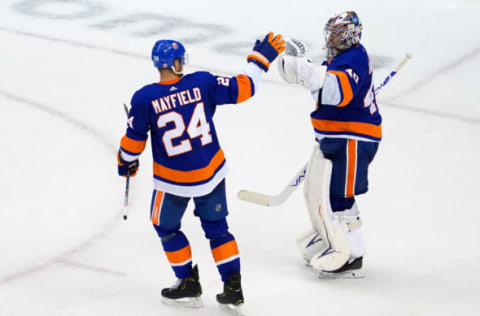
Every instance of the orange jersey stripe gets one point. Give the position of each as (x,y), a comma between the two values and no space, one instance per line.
(179,256)
(225,251)
(167,82)
(132,145)
(345,85)
(157,205)
(353,127)
(244,88)
(351,167)
(197,175)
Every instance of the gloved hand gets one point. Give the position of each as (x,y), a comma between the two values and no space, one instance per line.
(127,168)
(264,52)
(295,47)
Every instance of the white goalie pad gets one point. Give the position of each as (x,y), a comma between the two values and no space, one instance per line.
(316,194)
(301,70)
(311,243)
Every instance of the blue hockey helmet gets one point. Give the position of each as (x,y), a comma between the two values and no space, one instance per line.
(165,52)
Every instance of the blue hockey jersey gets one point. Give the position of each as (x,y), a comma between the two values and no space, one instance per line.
(187,158)
(348,106)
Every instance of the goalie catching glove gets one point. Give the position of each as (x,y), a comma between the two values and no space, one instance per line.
(302,71)
(295,47)
(264,52)
(295,68)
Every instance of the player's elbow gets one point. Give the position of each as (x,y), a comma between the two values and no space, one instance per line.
(246,88)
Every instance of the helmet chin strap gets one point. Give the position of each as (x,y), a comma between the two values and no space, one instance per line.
(180,73)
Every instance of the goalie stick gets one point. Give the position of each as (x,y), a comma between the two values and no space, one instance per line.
(394,72)
(278,199)
(274,200)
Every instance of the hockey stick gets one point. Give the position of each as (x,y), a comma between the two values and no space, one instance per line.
(394,72)
(125,202)
(278,199)
(127,184)
(274,200)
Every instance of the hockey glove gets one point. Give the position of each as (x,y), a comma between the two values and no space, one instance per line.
(264,52)
(127,168)
(295,47)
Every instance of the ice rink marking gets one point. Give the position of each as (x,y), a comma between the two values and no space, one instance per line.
(414,87)
(107,229)
(90,130)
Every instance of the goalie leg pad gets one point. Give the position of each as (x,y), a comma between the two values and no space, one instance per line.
(311,243)
(317,179)
(316,193)
(349,235)
(339,251)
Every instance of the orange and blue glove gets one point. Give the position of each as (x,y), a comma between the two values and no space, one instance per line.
(127,168)
(264,52)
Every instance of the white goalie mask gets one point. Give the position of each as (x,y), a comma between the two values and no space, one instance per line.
(342,32)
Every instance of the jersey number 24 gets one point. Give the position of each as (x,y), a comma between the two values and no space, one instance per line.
(198,127)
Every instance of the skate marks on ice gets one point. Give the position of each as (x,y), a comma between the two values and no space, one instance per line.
(64,257)
(97,16)
(379,60)
(138,24)
(67,118)
(427,80)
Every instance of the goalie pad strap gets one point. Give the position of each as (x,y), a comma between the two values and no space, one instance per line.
(353,225)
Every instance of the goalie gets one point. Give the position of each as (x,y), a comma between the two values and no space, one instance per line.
(347,127)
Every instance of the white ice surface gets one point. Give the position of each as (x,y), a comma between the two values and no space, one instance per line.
(64,249)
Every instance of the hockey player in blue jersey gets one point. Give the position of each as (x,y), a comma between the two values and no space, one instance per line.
(347,126)
(188,162)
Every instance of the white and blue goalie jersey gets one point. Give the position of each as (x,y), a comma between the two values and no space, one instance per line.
(348,106)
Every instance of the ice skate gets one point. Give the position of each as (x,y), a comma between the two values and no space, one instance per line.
(231,300)
(185,292)
(350,270)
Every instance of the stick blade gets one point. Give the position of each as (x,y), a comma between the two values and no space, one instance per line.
(254,197)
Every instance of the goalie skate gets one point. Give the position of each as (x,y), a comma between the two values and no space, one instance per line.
(351,270)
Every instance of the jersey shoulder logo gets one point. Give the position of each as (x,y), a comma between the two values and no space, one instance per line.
(130,121)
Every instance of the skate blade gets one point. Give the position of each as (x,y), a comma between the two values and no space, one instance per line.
(341,275)
(232,309)
(190,302)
